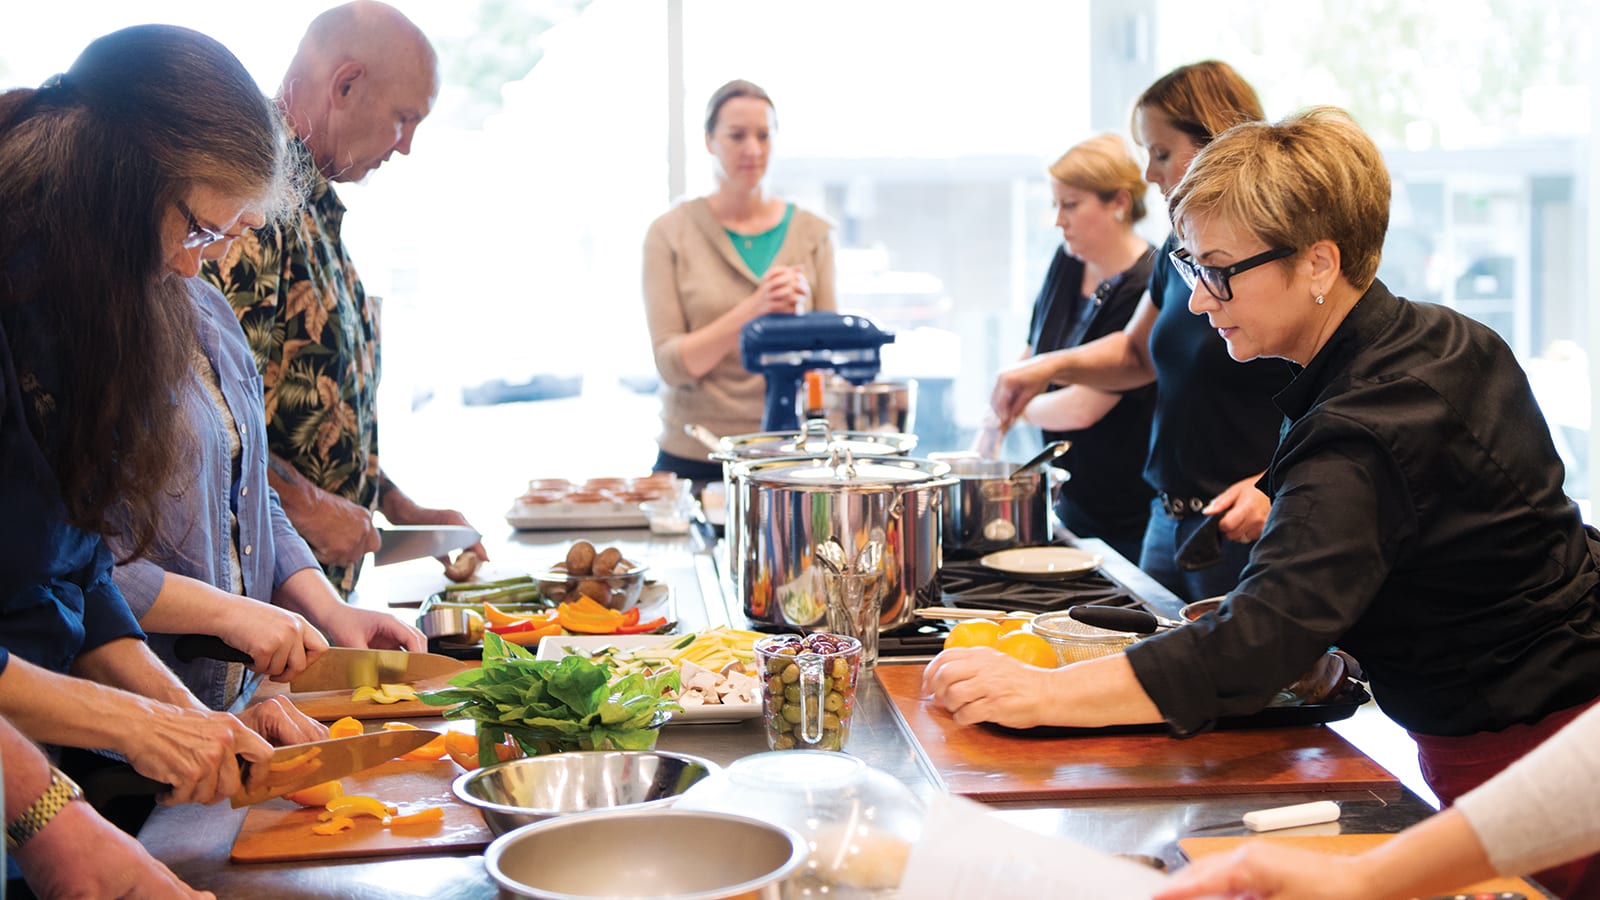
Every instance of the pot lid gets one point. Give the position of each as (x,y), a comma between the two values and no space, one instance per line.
(872,472)
(799,443)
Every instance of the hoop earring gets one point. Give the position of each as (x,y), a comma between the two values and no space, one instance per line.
(1319,300)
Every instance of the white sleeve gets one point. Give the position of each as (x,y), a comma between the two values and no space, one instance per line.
(1540,811)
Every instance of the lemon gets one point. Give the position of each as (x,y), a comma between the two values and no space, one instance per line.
(973,633)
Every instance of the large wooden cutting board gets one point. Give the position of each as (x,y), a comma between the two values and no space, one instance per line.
(985,763)
(277,830)
(1345,845)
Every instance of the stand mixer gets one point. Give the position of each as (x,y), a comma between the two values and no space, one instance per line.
(784,347)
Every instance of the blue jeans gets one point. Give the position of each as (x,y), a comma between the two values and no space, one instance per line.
(1162,538)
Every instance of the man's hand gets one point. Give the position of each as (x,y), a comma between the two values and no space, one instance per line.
(980,684)
(79,854)
(339,532)
(192,750)
(399,509)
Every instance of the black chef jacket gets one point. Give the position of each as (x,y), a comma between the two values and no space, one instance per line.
(1418,521)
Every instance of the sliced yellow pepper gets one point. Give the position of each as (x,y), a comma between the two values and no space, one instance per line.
(355,805)
(334,825)
(431,814)
(317,794)
(294,762)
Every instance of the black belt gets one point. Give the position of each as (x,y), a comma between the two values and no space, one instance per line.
(1179,507)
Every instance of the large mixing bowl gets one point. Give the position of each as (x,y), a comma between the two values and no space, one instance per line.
(665,853)
(523,791)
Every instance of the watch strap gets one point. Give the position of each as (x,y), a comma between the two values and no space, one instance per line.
(31,821)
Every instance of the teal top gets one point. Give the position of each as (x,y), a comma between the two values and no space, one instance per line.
(758,250)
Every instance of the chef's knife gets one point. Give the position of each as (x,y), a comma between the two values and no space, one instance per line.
(403,542)
(341,668)
(292,767)
(338,668)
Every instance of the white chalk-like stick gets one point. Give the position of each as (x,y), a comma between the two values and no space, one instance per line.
(1292,816)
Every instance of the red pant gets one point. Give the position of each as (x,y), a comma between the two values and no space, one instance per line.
(1452,766)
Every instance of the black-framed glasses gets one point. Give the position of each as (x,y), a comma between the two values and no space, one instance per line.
(198,237)
(1216,278)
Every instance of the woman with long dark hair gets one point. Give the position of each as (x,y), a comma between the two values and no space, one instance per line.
(114,178)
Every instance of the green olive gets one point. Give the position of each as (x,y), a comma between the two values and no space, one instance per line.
(830,722)
(791,713)
(792,693)
(791,674)
(783,742)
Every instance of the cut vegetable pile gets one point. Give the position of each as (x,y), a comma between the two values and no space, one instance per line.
(715,667)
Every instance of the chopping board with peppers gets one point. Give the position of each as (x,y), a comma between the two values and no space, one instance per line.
(278,830)
(1344,845)
(987,763)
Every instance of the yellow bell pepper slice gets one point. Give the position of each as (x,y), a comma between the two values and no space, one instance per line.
(355,805)
(317,794)
(420,817)
(334,825)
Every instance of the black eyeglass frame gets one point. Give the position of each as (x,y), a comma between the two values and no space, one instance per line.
(199,236)
(1216,278)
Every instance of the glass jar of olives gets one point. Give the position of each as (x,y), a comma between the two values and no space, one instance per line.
(808,689)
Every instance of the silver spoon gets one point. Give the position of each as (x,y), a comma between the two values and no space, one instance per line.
(1050,452)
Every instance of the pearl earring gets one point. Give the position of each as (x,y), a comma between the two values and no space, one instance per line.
(1118,214)
(1319,300)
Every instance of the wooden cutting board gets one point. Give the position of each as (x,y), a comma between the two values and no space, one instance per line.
(1346,845)
(986,763)
(277,830)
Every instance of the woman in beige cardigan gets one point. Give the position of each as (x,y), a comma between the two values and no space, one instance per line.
(713,263)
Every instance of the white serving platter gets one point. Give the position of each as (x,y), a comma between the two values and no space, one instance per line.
(556,646)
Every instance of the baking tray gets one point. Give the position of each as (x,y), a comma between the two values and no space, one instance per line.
(553,516)
(1350,698)
(656,599)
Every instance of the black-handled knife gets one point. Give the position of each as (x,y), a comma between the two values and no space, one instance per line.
(189,647)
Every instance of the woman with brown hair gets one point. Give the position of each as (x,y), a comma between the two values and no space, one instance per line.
(713,263)
(114,179)
(1095,281)
(1417,517)
(1214,426)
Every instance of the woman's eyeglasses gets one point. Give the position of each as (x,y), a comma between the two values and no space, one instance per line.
(199,236)
(1215,278)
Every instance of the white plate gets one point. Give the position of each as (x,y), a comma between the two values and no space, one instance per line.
(555,647)
(1042,563)
(550,516)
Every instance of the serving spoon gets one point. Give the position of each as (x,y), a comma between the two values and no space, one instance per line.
(1050,452)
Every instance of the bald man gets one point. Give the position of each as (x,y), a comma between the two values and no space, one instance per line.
(362,80)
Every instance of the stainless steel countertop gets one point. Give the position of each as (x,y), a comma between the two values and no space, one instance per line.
(194,841)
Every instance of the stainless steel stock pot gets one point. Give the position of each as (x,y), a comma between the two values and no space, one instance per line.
(783,509)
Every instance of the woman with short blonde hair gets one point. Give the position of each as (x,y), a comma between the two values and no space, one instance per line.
(1417,518)
(1094,283)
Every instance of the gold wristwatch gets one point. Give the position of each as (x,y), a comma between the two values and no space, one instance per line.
(62,790)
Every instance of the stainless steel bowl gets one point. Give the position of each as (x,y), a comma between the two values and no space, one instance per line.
(669,853)
(523,791)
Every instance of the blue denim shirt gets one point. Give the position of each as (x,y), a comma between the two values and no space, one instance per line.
(57,599)
(195,526)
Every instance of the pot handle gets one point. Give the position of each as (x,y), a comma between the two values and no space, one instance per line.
(815,430)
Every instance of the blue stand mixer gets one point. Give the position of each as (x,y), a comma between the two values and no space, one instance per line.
(784,347)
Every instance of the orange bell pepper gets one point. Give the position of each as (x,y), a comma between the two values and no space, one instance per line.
(317,794)
(586,616)
(349,726)
(334,825)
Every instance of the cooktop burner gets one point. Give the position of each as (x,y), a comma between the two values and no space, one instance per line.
(969,584)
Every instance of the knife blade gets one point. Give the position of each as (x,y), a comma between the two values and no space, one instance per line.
(292,767)
(403,542)
(343,668)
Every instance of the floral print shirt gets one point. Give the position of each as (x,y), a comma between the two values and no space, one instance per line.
(314,332)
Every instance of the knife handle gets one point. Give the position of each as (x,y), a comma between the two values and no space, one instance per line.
(189,647)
